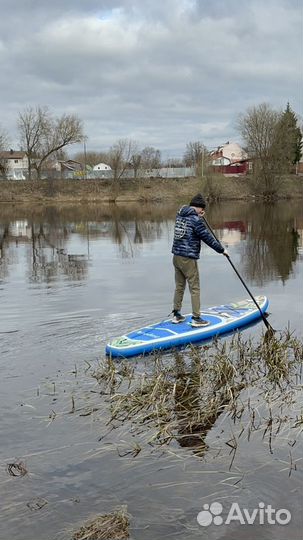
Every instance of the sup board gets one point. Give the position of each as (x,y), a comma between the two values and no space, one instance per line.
(166,335)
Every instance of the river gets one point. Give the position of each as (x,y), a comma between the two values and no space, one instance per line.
(72,278)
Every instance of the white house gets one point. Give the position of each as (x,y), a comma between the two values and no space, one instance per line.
(228,153)
(102,167)
(15,164)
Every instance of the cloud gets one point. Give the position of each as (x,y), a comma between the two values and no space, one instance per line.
(164,73)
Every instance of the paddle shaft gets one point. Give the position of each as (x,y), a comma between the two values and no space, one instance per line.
(268,326)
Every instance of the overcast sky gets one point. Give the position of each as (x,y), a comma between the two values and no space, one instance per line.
(161,72)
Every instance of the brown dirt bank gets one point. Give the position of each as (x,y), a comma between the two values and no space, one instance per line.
(155,190)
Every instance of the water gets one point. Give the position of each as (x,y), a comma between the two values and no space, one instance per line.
(70,279)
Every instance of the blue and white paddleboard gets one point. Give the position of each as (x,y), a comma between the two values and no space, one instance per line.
(166,335)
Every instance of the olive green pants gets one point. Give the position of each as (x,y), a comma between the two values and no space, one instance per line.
(186,271)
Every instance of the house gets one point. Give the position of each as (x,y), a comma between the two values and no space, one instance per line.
(69,165)
(228,153)
(14,163)
(230,159)
(102,167)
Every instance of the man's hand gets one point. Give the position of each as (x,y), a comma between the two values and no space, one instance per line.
(225,252)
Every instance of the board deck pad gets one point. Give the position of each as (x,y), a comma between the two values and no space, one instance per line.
(166,335)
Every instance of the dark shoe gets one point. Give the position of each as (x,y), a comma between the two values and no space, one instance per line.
(197,322)
(177,318)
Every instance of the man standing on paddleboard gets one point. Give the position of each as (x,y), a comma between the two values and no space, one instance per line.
(190,230)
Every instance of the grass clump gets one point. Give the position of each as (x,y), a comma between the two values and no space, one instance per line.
(113,526)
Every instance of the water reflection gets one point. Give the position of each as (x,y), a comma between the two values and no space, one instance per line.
(192,427)
(269,236)
(272,245)
(46,253)
(131,227)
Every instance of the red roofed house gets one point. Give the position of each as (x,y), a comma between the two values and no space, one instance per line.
(230,159)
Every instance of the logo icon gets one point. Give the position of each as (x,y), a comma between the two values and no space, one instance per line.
(263,514)
(210,514)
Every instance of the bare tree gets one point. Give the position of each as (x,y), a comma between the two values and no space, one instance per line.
(4,141)
(150,158)
(267,138)
(42,135)
(136,163)
(195,156)
(120,156)
(173,162)
(60,133)
(32,123)
(60,155)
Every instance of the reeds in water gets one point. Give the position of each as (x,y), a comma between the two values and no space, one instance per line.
(179,397)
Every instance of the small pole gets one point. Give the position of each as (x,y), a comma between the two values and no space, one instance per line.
(84,148)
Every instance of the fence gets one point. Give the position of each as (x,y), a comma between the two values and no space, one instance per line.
(163,172)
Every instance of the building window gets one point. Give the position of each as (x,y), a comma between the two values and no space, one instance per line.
(16,160)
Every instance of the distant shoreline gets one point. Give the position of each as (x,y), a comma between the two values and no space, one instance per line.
(142,191)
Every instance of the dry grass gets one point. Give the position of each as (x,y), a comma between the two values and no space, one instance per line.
(214,186)
(179,397)
(113,526)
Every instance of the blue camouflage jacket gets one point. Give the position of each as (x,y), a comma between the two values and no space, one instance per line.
(190,229)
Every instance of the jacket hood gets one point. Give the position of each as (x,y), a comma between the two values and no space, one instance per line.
(187,211)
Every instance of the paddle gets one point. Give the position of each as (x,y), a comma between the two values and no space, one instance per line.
(270,329)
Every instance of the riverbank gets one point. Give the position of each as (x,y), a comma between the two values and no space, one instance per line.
(147,190)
